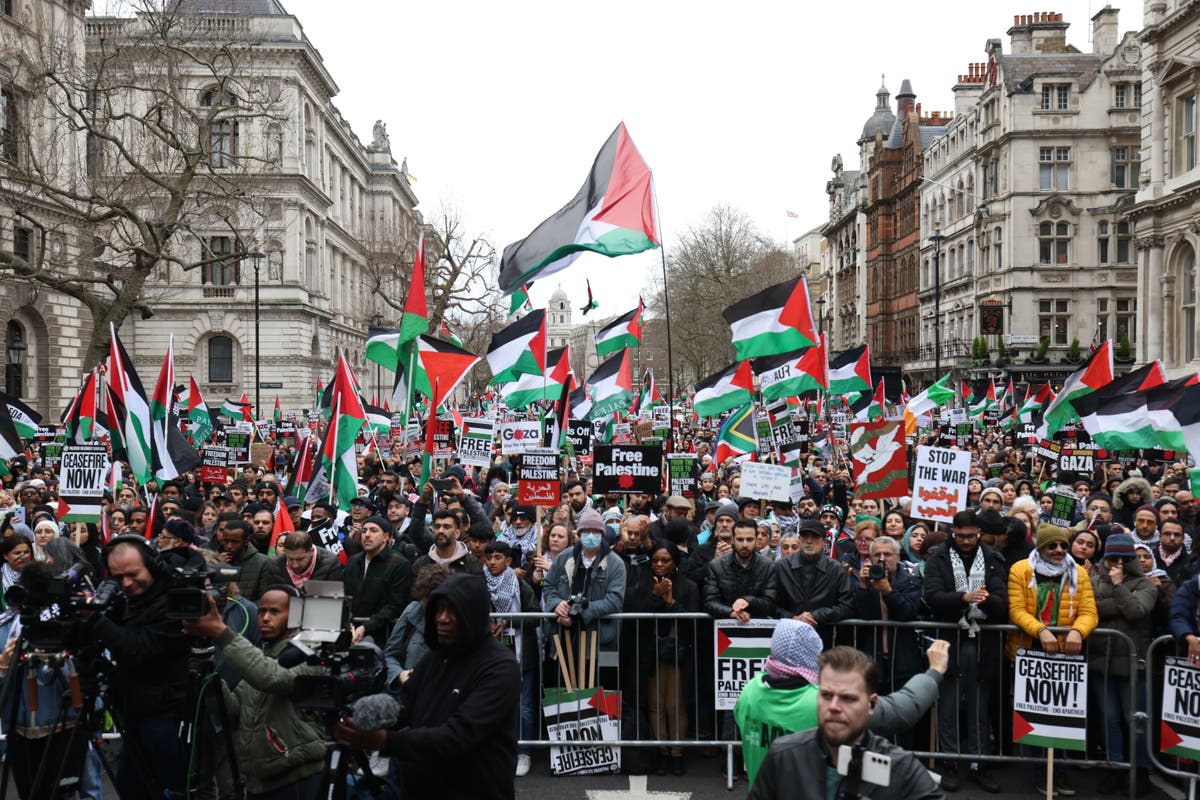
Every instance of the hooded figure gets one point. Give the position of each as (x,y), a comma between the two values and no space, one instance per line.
(461,703)
(1124,506)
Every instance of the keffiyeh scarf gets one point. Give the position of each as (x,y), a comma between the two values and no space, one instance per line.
(965,582)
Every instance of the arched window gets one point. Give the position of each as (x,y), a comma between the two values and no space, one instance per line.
(222,128)
(220,359)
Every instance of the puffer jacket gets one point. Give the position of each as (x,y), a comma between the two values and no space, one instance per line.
(277,744)
(726,580)
(1127,607)
(1077,613)
(1123,510)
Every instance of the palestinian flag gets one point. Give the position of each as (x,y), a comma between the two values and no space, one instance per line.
(591,302)
(1088,407)
(725,390)
(302,470)
(968,394)
(935,396)
(581,404)
(449,335)
(10,442)
(624,331)
(427,452)
(519,349)
(283,523)
(738,437)
(320,394)
(649,397)
(560,421)
(438,364)
(236,409)
(520,299)
(776,320)
(1095,373)
(1008,398)
(869,406)
(198,414)
(1163,417)
(531,388)
(378,421)
(610,387)
(277,417)
(988,403)
(24,418)
(172,454)
(612,214)
(791,374)
(1049,730)
(1034,405)
(133,412)
(415,320)
(80,417)
(851,372)
(80,508)
(338,458)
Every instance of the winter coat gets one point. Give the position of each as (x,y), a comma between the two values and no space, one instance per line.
(256,573)
(378,591)
(462,561)
(1183,620)
(1128,608)
(903,604)
(726,580)
(653,636)
(457,734)
(277,744)
(406,643)
(825,592)
(945,602)
(1123,510)
(799,760)
(604,589)
(1078,612)
(327,568)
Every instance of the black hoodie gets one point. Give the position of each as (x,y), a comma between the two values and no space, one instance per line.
(458,732)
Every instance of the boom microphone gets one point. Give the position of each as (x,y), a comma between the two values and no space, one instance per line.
(375,712)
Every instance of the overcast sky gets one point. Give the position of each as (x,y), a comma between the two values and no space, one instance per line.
(501,107)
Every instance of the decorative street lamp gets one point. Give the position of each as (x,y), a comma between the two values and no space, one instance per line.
(936,237)
(820,315)
(14,354)
(257,339)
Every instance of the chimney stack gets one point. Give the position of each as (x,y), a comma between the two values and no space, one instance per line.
(1104,31)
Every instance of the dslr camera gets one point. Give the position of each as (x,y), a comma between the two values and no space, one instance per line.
(576,603)
(190,589)
(876,571)
(52,611)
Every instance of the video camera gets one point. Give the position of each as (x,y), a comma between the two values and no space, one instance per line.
(348,674)
(188,596)
(55,612)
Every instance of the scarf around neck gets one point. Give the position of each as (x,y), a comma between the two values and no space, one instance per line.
(965,582)
(1067,572)
(505,591)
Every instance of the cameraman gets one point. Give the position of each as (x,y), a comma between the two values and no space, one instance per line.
(887,589)
(592,572)
(148,687)
(281,751)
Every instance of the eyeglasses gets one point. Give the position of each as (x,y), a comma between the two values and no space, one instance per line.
(1056,546)
(966,537)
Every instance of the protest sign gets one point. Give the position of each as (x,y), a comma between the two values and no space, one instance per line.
(587,715)
(1050,700)
(214,464)
(579,434)
(237,439)
(1047,450)
(1181,709)
(627,468)
(81,482)
(681,474)
(517,437)
(880,459)
(475,443)
(538,477)
(643,430)
(940,486)
(623,433)
(1066,502)
(51,455)
(797,488)
(741,650)
(1076,462)
(766,481)
(661,416)
(763,428)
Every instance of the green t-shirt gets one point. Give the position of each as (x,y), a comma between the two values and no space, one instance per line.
(763,714)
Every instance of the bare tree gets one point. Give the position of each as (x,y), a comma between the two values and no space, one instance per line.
(715,264)
(132,150)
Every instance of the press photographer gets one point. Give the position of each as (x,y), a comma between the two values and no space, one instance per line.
(281,750)
(148,687)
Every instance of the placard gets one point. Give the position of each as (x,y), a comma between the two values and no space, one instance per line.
(475,442)
(1047,450)
(1065,506)
(1050,700)
(587,715)
(762,426)
(661,416)
(579,434)
(880,459)
(214,464)
(81,482)
(238,443)
(940,485)
(1181,709)
(260,453)
(538,481)
(740,652)
(681,474)
(518,437)
(1080,460)
(627,468)
(766,481)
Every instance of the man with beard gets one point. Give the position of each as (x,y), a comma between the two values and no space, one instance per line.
(719,542)
(447,549)
(811,587)
(521,536)
(966,583)
(735,584)
(377,581)
(846,697)
(807,507)
(577,499)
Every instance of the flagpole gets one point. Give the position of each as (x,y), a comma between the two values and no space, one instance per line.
(662,250)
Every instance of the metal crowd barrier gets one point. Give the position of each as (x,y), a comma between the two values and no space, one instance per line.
(1158,651)
(690,679)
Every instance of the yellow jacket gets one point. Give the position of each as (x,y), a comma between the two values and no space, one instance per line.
(1078,612)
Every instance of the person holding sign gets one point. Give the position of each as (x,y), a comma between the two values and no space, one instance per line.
(1049,590)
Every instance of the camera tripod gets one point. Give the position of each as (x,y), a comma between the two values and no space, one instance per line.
(336,774)
(202,671)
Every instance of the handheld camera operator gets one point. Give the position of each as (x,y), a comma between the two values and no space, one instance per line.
(281,749)
(148,688)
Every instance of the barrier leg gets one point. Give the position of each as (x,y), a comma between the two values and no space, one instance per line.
(1049,773)
(729,768)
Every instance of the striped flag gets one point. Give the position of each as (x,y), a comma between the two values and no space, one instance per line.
(624,331)
(519,349)
(776,320)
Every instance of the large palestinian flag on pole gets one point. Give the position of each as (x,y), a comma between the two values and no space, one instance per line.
(24,418)
(850,371)
(725,390)
(624,331)
(338,459)
(776,320)
(519,349)
(612,214)
(935,396)
(530,388)
(1095,373)
(437,364)
(791,374)
(131,408)
(1163,417)
(610,387)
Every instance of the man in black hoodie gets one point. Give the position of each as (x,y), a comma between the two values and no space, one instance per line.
(461,704)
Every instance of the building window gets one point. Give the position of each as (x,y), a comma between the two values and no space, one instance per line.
(1054,321)
(222,271)
(1054,240)
(1115,243)
(1056,96)
(1185,134)
(1126,166)
(9,121)
(1126,317)
(1188,270)
(21,240)
(222,132)
(998,249)
(1054,168)
(220,359)
(95,155)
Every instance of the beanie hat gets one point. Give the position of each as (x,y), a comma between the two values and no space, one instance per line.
(1047,533)
(992,490)
(590,520)
(382,522)
(1119,544)
(795,646)
(829,508)
(1147,507)
(990,522)
(726,510)
(181,530)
